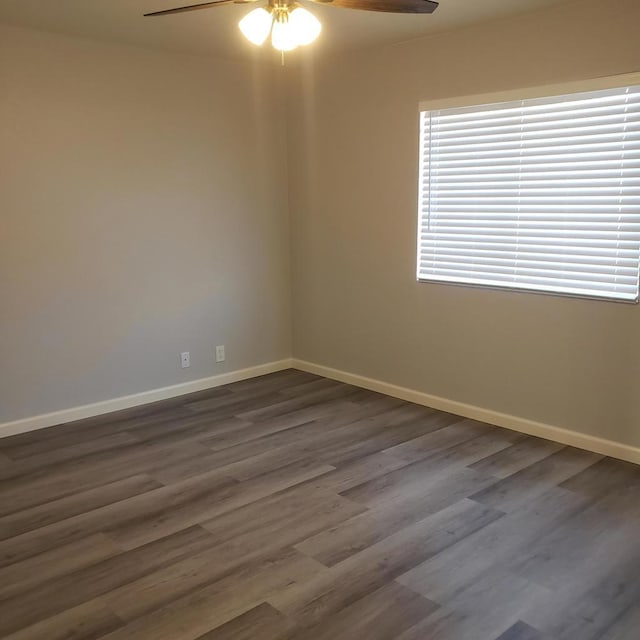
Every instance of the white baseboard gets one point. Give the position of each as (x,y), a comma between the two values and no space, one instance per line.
(137,399)
(515,423)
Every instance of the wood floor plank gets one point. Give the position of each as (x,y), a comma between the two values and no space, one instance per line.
(625,626)
(251,431)
(52,597)
(293,507)
(309,386)
(88,473)
(231,405)
(312,438)
(195,463)
(498,544)
(535,479)
(23,576)
(219,458)
(367,571)
(361,531)
(405,481)
(447,624)
(71,451)
(7,466)
(192,429)
(252,407)
(266,462)
(262,622)
(88,621)
(356,472)
(516,457)
(345,421)
(282,519)
(350,449)
(605,477)
(199,612)
(200,499)
(583,547)
(37,441)
(73,505)
(590,611)
(500,595)
(272,382)
(522,631)
(219,564)
(248,535)
(64,457)
(133,521)
(491,440)
(450,624)
(381,615)
(447,431)
(336,391)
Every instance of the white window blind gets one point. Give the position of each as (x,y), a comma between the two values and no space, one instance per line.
(538,194)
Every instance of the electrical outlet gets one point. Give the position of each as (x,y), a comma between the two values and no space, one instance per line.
(220,355)
(185,360)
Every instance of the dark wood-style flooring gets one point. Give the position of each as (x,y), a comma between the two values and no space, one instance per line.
(292,507)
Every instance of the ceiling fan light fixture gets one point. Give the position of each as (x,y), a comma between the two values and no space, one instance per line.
(290,25)
(283,36)
(305,26)
(256,26)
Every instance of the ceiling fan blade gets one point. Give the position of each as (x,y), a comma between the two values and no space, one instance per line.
(196,7)
(388,6)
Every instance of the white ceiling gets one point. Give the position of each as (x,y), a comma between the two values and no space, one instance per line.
(214,31)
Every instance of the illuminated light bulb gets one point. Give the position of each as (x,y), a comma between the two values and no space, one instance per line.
(305,26)
(256,26)
(283,37)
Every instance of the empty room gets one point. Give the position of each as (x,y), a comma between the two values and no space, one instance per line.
(319,320)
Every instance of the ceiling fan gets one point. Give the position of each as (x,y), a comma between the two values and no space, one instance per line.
(290,25)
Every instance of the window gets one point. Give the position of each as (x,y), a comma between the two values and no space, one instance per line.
(540,194)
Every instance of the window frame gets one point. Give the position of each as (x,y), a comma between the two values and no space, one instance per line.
(512,95)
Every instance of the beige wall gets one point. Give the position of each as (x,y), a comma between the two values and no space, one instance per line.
(353,176)
(143,212)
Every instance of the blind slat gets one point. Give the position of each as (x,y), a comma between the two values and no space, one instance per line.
(531,263)
(570,135)
(508,125)
(544,148)
(579,254)
(526,165)
(559,244)
(507,118)
(536,107)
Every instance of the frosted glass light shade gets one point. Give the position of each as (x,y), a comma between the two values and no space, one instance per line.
(304,25)
(283,37)
(256,26)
